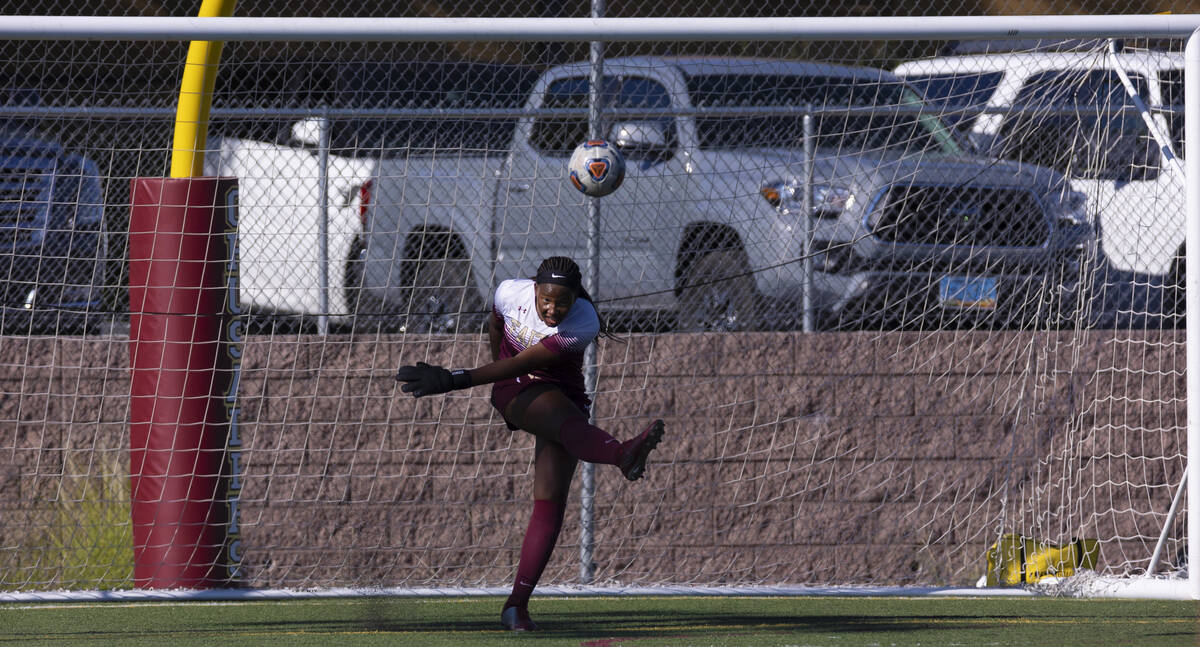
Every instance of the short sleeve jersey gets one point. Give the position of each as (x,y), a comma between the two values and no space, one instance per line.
(515,309)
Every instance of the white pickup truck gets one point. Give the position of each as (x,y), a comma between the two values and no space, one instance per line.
(1076,114)
(279,218)
(712,225)
(304,182)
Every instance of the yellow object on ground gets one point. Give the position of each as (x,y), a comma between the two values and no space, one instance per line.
(1016,560)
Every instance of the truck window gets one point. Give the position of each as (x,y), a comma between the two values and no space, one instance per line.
(1081,123)
(1172,96)
(390,137)
(957,95)
(401,88)
(900,132)
(558,136)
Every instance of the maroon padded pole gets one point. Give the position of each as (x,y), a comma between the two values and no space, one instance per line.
(179,305)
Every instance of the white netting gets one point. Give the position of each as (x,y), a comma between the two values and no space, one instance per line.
(965,325)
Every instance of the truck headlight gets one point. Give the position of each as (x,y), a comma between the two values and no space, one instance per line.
(828,200)
(1075,211)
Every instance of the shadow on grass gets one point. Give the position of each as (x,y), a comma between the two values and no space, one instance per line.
(585,625)
(608,623)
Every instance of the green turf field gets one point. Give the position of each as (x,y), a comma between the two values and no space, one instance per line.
(610,622)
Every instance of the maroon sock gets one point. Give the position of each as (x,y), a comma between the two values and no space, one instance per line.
(540,537)
(588,442)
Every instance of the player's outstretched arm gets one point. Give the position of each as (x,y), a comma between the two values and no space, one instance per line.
(426,379)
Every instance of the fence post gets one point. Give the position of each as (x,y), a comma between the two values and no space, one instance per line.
(587,489)
(323,223)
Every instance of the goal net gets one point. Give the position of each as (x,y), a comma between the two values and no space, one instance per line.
(896,300)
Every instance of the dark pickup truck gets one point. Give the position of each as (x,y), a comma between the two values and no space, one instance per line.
(53,246)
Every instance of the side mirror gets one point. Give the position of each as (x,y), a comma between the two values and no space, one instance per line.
(643,140)
(307,132)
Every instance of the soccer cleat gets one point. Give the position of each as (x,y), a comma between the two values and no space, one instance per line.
(517,619)
(637,450)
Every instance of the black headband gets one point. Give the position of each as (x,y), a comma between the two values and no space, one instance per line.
(570,280)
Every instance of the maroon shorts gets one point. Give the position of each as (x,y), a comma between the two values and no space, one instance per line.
(504,392)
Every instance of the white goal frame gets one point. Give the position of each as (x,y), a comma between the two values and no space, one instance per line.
(96,28)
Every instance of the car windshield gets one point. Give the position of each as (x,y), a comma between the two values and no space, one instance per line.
(405,92)
(858,132)
(1082,123)
(436,86)
(558,136)
(958,95)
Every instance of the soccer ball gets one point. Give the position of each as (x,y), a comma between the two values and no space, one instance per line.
(596,168)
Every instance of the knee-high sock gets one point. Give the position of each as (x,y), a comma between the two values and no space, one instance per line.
(540,537)
(589,443)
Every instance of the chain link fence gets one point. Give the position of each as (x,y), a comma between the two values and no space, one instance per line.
(378,103)
(385,189)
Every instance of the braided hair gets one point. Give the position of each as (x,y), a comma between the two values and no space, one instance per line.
(562,270)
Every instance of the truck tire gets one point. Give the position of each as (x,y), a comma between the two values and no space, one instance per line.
(444,299)
(718,294)
(1174,293)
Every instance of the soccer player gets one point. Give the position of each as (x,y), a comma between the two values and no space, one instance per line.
(538,332)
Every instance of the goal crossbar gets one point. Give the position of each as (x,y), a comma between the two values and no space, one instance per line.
(591,29)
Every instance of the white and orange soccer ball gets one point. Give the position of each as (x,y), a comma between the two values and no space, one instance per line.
(596,168)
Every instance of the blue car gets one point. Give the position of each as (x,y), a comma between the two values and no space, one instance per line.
(53,243)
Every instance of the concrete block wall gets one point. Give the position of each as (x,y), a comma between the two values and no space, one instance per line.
(885,458)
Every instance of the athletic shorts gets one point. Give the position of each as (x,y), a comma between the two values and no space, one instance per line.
(505,391)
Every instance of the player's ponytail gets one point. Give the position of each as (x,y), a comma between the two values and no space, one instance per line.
(561,270)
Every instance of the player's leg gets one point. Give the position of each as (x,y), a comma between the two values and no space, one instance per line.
(548,413)
(553,469)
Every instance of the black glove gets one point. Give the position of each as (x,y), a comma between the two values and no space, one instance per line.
(425,379)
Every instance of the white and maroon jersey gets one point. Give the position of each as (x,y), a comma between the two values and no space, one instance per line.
(514,307)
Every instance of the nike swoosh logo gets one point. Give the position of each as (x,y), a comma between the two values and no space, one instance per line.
(557,276)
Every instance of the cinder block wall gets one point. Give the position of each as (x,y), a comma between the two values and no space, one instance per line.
(790,458)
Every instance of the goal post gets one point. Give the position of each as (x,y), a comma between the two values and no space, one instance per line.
(1192,126)
(195,98)
(902,317)
(184,335)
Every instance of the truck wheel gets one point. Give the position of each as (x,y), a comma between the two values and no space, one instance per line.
(444,298)
(1176,301)
(1174,294)
(718,294)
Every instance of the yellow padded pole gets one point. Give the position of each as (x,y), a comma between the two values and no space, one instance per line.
(195,97)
